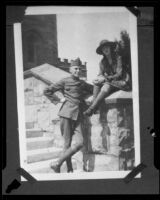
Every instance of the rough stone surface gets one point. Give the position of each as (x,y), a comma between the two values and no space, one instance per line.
(95,162)
(96,133)
(107,135)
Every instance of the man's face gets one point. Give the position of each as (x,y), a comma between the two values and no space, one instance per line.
(75,71)
(106,50)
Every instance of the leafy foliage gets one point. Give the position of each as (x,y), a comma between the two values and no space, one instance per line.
(123,49)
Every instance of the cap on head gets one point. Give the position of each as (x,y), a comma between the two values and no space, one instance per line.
(76,62)
(104,43)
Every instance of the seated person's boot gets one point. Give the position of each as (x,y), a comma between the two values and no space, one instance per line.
(88,112)
(91,110)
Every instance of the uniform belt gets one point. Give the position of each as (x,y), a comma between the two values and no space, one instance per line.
(74,101)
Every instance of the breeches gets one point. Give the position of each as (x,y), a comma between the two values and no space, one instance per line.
(72,133)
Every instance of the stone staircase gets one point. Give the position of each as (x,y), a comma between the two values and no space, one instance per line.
(32,133)
(41,151)
(43,148)
(44,167)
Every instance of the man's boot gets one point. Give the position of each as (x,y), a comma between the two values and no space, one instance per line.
(55,167)
(68,153)
(69,165)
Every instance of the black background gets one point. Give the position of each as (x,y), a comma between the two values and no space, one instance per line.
(149,183)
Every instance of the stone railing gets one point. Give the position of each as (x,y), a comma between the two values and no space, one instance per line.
(108,136)
(111,134)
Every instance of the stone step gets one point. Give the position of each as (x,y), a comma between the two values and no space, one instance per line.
(39,165)
(97,162)
(43,154)
(39,143)
(94,163)
(44,167)
(39,161)
(29,125)
(31,133)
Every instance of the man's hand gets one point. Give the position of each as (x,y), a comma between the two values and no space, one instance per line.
(48,89)
(59,100)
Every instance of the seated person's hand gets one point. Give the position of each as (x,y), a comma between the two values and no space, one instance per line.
(99,80)
(95,81)
(109,78)
(62,100)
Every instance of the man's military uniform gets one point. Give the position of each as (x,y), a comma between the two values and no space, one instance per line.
(71,112)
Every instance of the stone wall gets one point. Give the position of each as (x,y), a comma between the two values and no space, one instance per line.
(39,35)
(109,141)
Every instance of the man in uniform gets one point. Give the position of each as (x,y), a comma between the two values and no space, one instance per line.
(71,112)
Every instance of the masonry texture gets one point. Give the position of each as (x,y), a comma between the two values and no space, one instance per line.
(40,44)
(39,34)
(108,135)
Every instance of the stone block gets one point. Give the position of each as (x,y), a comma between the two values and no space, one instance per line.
(96,133)
(39,143)
(44,167)
(43,154)
(29,125)
(95,162)
(34,133)
(120,97)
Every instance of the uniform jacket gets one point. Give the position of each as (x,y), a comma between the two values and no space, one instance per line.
(74,91)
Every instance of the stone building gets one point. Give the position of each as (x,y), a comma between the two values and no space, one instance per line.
(39,35)
(40,46)
(38,107)
(109,134)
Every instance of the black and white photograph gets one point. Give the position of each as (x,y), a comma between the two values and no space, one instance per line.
(77,92)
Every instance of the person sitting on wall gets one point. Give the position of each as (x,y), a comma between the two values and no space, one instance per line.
(71,112)
(112,75)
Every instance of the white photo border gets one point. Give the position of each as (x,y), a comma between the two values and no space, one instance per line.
(21,107)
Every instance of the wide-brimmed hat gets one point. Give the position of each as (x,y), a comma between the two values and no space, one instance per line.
(104,43)
(76,62)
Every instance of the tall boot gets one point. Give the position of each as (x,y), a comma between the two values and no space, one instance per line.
(96,90)
(69,165)
(68,153)
(95,103)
